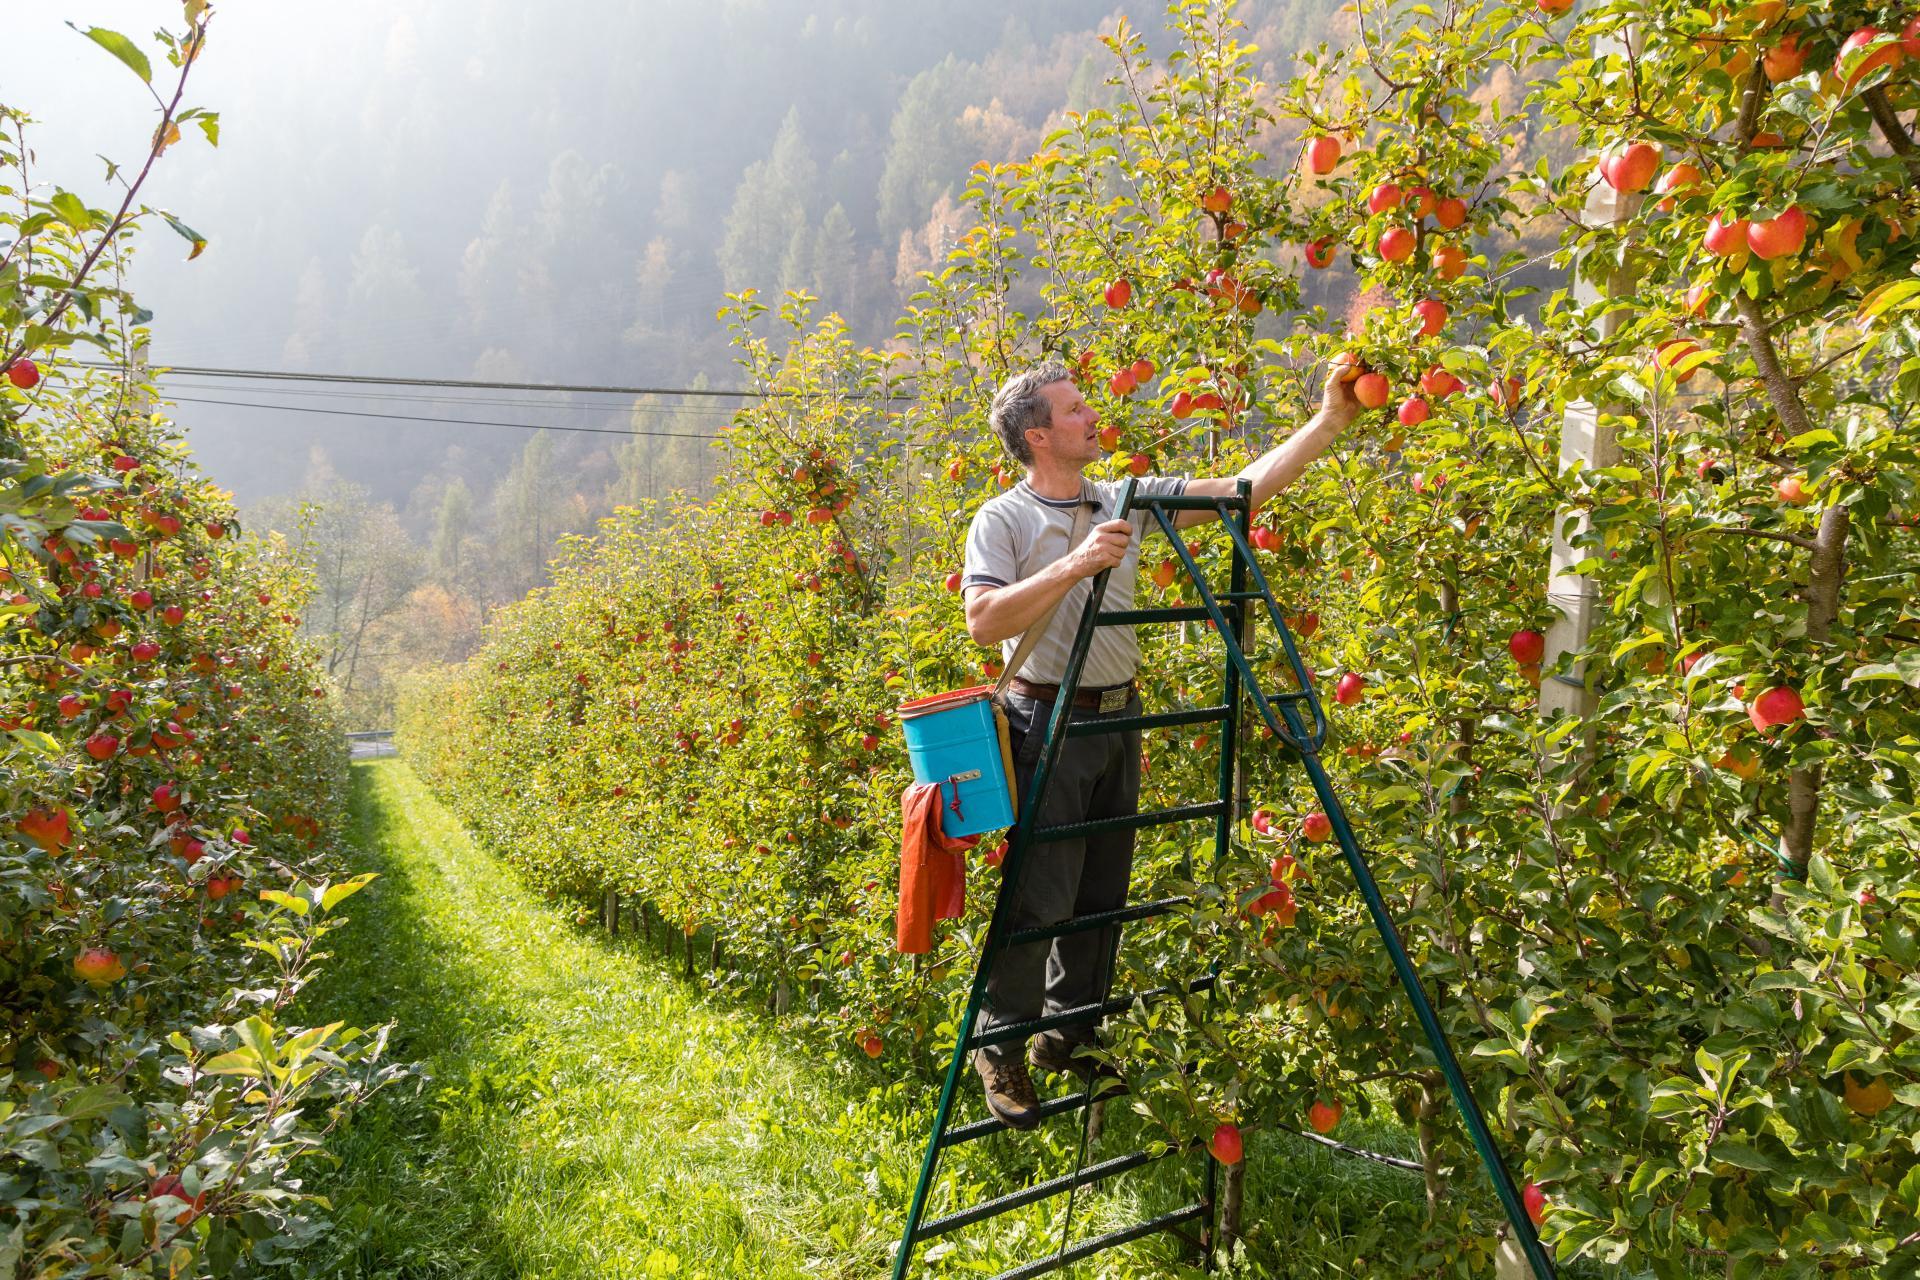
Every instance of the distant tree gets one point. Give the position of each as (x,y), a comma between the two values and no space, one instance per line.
(771,203)
(834,258)
(450,531)
(929,152)
(490,268)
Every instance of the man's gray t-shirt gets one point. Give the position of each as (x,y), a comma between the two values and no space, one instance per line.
(1018,533)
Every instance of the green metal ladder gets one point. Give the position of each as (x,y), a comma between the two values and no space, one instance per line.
(1296,718)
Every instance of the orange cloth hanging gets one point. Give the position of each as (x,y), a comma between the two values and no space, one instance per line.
(933,869)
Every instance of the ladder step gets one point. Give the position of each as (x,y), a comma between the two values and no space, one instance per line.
(1081,1013)
(1158,720)
(1038,1191)
(1187,502)
(1144,617)
(1131,821)
(981,1128)
(1098,920)
(1113,1239)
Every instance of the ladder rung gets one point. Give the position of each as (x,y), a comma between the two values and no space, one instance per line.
(1038,1191)
(1187,502)
(992,1124)
(1081,1013)
(1142,617)
(1158,720)
(1241,595)
(1113,1239)
(1131,821)
(1098,920)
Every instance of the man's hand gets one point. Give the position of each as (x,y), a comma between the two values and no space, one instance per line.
(1337,400)
(1105,547)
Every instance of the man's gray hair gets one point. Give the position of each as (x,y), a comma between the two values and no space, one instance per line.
(1018,407)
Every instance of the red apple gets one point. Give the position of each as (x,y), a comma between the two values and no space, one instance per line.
(953,581)
(1347,692)
(1384,197)
(1316,828)
(1122,383)
(101,746)
(1139,464)
(1535,1201)
(1527,647)
(1673,357)
(1263,821)
(1143,371)
(1372,390)
(1450,213)
(1784,60)
(1320,253)
(98,965)
(1449,261)
(1887,55)
(1397,244)
(1323,153)
(1225,1145)
(1789,489)
(1437,383)
(1780,236)
(1777,706)
(1119,293)
(1633,168)
(141,599)
(1322,1117)
(24,374)
(1432,315)
(1421,201)
(1554,6)
(1413,412)
(1724,239)
(1110,437)
(1218,200)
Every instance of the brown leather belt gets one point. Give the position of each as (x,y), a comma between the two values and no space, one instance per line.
(1114,698)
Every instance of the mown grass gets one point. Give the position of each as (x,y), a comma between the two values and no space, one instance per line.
(585,1111)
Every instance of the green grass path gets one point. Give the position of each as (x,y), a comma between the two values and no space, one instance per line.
(584,1113)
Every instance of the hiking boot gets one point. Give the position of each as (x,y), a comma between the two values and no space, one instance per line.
(1010,1094)
(1051,1053)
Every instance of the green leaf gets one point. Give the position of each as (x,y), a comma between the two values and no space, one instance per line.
(334,895)
(199,241)
(280,898)
(36,741)
(122,48)
(1893,293)
(1905,668)
(72,210)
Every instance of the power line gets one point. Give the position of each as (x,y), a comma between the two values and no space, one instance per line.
(370,380)
(393,397)
(445,422)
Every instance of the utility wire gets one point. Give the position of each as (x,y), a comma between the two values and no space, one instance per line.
(164,371)
(445,422)
(385,397)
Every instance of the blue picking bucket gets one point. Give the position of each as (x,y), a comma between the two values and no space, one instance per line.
(954,739)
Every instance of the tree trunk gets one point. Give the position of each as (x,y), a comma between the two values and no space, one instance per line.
(1426,1115)
(1827,572)
(1232,1198)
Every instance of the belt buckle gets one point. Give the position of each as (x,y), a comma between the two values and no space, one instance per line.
(1115,699)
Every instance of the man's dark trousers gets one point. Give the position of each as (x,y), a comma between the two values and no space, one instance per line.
(1095,777)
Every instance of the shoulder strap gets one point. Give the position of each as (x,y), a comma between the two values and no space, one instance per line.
(1082,520)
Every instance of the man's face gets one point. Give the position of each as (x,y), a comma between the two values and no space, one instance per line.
(1074,436)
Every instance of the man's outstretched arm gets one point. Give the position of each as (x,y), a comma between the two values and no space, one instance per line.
(1281,465)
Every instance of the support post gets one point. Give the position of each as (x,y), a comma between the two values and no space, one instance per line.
(1586,442)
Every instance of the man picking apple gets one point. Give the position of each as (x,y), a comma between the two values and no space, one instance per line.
(1019,566)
